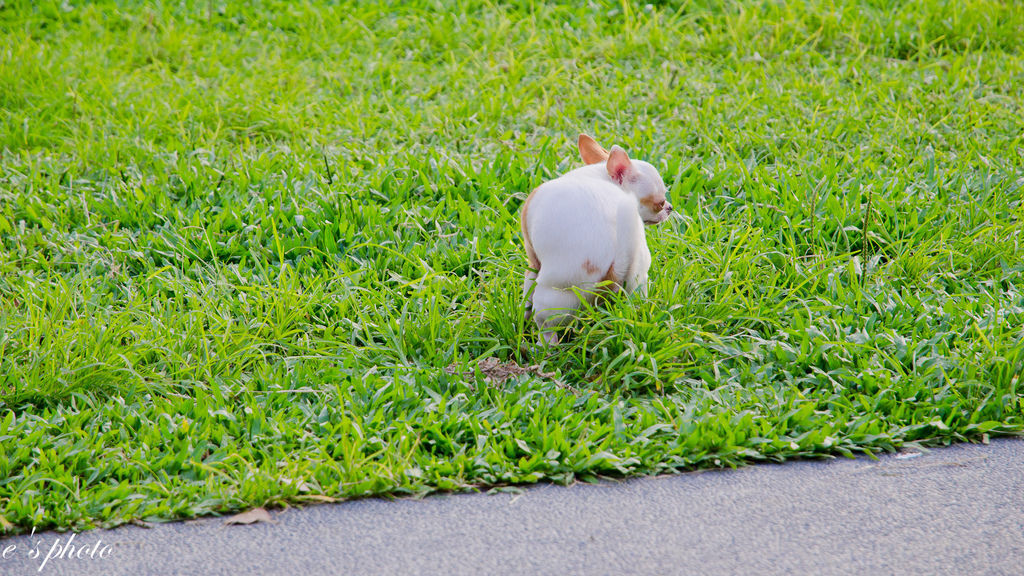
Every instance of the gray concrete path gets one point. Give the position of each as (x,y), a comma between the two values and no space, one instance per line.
(957,510)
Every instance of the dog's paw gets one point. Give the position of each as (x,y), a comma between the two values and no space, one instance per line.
(549,338)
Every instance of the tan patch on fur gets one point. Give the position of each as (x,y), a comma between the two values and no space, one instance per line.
(530,254)
(652,203)
(589,267)
(615,282)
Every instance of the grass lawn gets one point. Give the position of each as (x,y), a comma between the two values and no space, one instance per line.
(263,253)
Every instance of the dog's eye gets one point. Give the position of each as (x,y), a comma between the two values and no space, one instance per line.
(659,206)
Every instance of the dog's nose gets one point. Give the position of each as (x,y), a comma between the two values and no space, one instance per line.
(668,208)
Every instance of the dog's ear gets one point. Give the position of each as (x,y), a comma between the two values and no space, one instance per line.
(591,151)
(619,165)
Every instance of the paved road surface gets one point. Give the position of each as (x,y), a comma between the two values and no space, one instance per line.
(957,510)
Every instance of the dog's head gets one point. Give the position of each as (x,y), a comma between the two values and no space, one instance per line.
(634,176)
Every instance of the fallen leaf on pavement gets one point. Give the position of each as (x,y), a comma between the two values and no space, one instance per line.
(250,517)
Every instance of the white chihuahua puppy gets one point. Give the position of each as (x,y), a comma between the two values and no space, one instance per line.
(585,230)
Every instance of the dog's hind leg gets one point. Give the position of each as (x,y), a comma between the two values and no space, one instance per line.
(551,309)
(529,282)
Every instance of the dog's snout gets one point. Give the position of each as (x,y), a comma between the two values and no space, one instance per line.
(668,208)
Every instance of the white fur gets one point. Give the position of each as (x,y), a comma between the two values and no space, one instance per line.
(587,227)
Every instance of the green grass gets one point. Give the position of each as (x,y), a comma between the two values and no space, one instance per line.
(240,243)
